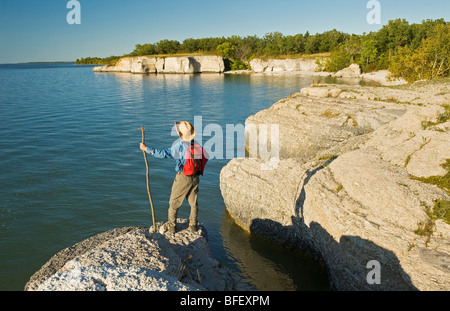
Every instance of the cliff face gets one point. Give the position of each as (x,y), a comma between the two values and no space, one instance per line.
(343,186)
(182,65)
(282,65)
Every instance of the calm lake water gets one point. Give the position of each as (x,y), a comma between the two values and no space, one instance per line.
(71,165)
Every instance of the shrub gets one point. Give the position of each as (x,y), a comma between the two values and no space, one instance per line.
(427,62)
(338,60)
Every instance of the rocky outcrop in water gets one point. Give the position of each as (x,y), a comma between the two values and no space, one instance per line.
(136,259)
(352,71)
(313,67)
(181,65)
(346,185)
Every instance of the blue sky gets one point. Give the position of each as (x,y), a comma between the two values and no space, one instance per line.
(37,30)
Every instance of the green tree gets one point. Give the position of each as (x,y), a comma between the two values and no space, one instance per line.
(145,49)
(299,44)
(413,51)
(167,47)
(272,42)
(369,54)
(209,44)
(247,48)
(429,61)
(438,49)
(190,45)
(312,44)
(424,30)
(226,50)
(286,45)
(353,47)
(111,60)
(397,33)
(331,40)
(338,60)
(232,56)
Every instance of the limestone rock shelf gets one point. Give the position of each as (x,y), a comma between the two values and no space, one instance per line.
(342,187)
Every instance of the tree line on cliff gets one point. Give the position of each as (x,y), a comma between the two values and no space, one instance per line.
(411,51)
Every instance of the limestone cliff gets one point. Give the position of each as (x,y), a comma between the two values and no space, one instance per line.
(284,65)
(182,65)
(344,187)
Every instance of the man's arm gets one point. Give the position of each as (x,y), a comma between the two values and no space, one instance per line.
(169,153)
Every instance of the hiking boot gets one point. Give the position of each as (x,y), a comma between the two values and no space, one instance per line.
(193,228)
(171,228)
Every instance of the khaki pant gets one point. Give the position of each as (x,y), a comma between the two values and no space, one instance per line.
(184,187)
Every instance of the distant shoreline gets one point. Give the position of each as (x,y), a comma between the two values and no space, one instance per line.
(43,63)
(28,63)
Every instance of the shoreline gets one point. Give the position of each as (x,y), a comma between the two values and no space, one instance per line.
(380,77)
(307,67)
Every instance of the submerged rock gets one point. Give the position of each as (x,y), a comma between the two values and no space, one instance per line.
(136,259)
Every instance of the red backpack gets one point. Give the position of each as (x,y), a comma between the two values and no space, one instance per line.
(196,158)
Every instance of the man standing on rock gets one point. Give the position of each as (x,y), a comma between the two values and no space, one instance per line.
(190,164)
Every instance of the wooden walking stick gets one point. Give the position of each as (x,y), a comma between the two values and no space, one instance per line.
(148,183)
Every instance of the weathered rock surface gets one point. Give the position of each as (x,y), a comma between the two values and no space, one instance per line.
(342,188)
(308,127)
(383,77)
(182,65)
(136,259)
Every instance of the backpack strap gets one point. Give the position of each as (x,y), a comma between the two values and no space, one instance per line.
(196,160)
